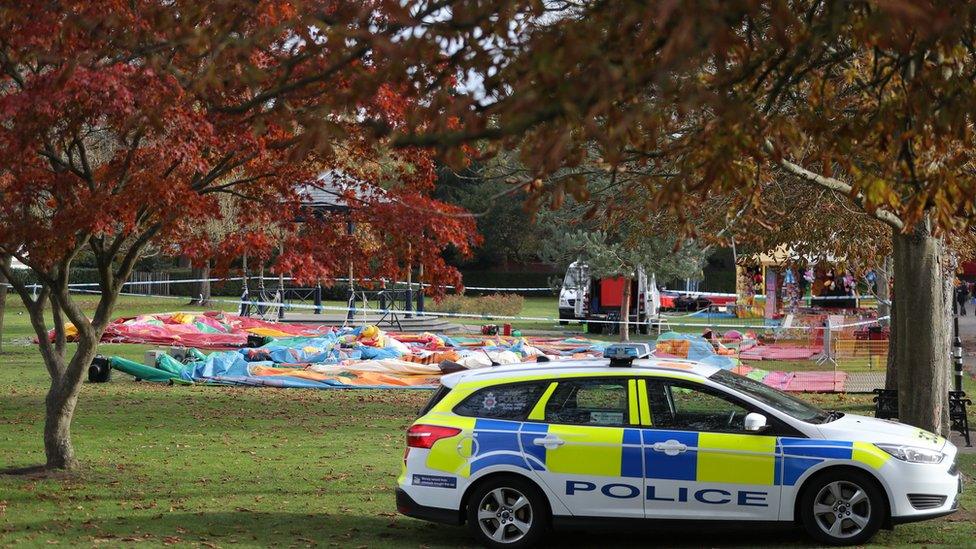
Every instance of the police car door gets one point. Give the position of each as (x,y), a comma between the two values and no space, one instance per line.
(699,460)
(590,446)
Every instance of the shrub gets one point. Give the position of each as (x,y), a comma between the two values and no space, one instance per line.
(499,305)
(485,306)
(448,304)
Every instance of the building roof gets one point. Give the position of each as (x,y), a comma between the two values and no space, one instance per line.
(331,187)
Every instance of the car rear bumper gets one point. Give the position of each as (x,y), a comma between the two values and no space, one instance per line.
(407,506)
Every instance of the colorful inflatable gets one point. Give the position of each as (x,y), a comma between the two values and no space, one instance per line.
(363,357)
(296,355)
(210,330)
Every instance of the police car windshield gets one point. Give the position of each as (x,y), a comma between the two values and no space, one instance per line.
(788,404)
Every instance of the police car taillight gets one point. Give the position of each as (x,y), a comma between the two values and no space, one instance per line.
(424,436)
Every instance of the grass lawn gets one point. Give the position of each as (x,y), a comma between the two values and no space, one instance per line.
(533,307)
(219,466)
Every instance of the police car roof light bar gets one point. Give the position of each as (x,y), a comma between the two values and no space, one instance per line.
(623,354)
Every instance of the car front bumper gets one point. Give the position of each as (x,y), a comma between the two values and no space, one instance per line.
(926,491)
(567,313)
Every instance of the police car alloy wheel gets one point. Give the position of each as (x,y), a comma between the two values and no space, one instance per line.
(507,512)
(842,508)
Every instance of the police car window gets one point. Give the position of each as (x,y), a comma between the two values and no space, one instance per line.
(783,402)
(502,401)
(438,395)
(588,402)
(675,406)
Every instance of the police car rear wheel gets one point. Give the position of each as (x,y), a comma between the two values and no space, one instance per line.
(507,512)
(842,508)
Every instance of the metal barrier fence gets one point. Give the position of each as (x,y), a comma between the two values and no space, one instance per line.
(854,342)
(810,352)
(150,283)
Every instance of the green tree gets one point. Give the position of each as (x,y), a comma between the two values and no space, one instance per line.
(616,243)
(499,209)
(615,254)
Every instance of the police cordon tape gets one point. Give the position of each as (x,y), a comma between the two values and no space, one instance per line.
(162,282)
(422,285)
(660,320)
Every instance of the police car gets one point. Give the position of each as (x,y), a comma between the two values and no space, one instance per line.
(514,450)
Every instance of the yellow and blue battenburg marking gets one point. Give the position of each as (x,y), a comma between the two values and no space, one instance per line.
(630,453)
(795,455)
(498,442)
(682,466)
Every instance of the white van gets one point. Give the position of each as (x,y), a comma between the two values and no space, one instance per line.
(596,301)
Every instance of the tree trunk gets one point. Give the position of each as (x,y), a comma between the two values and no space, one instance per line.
(200,293)
(60,403)
(625,312)
(60,408)
(921,337)
(3,295)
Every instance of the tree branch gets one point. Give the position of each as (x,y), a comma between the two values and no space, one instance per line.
(60,338)
(838,187)
(35,310)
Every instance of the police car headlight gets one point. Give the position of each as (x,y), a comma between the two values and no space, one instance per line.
(912,454)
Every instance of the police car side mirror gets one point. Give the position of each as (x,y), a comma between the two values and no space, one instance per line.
(755,422)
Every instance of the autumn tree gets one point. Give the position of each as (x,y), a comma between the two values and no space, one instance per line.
(121,125)
(870,101)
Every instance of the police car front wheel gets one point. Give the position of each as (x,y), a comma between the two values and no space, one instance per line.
(507,512)
(842,508)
